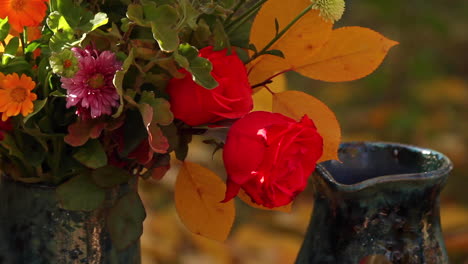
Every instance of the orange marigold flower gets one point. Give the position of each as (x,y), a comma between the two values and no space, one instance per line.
(15,95)
(33,33)
(23,13)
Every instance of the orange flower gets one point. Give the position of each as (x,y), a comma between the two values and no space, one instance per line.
(16,95)
(23,13)
(33,33)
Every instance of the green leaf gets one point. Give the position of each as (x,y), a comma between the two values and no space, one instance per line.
(135,14)
(161,108)
(82,130)
(240,36)
(9,143)
(188,51)
(252,47)
(4,28)
(80,194)
(202,35)
(181,60)
(18,65)
(227,3)
(163,25)
(134,132)
(10,50)
(199,67)
(162,112)
(57,93)
(221,39)
(32,47)
(189,14)
(70,11)
(125,220)
(118,81)
(35,152)
(57,23)
(99,19)
(40,136)
(110,176)
(63,32)
(91,154)
(71,26)
(38,105)
(278,53)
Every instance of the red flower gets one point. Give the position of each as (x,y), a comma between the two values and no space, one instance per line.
(5,126)
(232,99)
(270,156)
(143,154)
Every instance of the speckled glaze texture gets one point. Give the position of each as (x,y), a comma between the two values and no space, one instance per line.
(35,230)
(383,199)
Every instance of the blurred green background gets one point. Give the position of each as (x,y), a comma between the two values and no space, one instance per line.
(419,96)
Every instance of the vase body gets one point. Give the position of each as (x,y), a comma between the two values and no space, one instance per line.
(383,199)
(34,229)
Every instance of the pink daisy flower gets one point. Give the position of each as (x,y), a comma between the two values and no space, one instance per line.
(91,90)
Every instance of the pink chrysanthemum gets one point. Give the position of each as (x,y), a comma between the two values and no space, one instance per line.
(91,89)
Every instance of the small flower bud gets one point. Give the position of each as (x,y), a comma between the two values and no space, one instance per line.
(330,10)
(64,63)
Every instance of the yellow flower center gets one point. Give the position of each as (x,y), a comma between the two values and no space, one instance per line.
(18,94)
(97,81)
(17,5)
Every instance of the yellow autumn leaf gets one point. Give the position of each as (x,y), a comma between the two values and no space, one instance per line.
(263,99)
(350,53)
(256,244)
(453,217)
(295,104)
(246,199)
(301,41)
(198,196)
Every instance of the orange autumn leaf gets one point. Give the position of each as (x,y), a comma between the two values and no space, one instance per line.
(198,196)
(350,53)
(301,41)
(246,199)
(295,104)
(263,99)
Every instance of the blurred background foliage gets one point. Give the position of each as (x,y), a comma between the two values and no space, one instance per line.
(419,96)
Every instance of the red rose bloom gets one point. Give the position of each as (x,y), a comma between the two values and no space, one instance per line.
(270,156)
(232,99)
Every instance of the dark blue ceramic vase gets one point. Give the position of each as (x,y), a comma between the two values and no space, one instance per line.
(383,199)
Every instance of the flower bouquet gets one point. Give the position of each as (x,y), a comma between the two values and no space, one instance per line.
(95,94)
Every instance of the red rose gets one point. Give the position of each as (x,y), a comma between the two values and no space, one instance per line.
(232,99)
(270,156)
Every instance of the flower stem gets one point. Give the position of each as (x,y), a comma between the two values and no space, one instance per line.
(57,148)
(280,34)
(244,17)
(21,38)
(228,19)
(241,22)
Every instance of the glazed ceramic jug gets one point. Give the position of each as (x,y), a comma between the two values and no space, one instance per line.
(381,199)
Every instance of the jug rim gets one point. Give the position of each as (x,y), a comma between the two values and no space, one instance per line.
(441,172)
